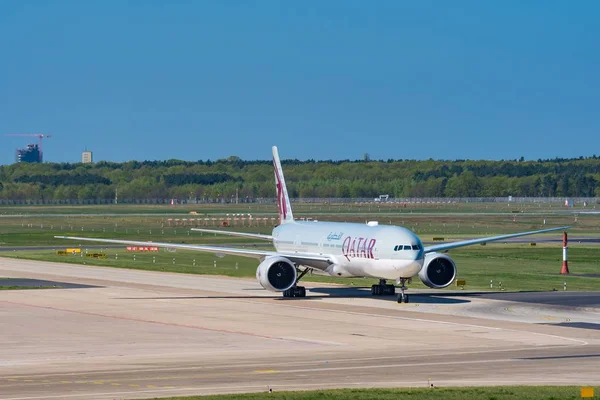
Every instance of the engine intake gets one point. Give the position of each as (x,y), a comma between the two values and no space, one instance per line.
(438,271)
(276,274)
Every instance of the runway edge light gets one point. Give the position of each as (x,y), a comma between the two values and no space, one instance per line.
(587,392)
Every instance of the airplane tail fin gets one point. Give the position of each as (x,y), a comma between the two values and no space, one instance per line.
(283,201)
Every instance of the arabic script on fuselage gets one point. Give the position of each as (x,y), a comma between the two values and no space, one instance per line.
(335,235)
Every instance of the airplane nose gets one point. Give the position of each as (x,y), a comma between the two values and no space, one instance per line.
(418,255)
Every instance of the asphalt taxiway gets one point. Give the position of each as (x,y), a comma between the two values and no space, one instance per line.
(116,333)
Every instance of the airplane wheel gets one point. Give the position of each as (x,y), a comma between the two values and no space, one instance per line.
(296,291)
(406,299)
(376,290)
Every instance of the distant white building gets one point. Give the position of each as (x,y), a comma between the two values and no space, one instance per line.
(86,157)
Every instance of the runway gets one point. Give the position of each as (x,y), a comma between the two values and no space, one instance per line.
(116,333)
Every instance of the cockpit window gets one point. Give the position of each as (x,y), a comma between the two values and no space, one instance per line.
(408,247)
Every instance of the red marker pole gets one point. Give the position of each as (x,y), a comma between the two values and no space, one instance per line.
(565,266)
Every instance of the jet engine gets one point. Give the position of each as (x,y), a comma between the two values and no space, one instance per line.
(276,274)
(438,271)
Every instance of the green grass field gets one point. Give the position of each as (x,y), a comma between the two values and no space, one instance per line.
(5,285)
(467,393)
(517,266)
(22,226)
(17,287)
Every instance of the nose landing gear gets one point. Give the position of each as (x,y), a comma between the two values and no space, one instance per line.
(402,297)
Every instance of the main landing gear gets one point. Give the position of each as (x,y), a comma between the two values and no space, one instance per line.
(297,291)
(402,297)
(383,289)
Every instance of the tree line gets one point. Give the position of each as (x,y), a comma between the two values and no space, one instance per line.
(224,179)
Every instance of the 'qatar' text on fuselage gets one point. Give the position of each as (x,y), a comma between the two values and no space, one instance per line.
(358,247)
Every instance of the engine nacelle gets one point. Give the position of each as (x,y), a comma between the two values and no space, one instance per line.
(276,274)
(438,271)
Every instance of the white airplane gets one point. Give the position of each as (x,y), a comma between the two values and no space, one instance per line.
(337,248)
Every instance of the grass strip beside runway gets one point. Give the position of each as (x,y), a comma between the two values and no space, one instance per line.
(18,287)
(462,393)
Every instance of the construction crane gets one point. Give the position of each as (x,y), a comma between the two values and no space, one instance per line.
(40,136)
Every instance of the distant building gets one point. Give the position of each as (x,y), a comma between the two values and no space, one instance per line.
(30,154)
(86,157)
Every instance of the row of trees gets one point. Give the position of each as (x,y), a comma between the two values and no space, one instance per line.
(253,179)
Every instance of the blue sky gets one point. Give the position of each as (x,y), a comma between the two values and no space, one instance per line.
(320,79)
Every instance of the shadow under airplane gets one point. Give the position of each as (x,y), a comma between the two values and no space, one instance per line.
(324,293)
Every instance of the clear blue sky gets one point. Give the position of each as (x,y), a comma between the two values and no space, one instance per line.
(320,79)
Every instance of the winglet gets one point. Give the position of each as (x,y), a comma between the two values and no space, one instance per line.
(283,201)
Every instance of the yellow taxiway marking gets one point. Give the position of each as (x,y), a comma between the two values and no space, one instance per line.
(550,317)
(266,371)
(65,382)
(98,382)
(134,385)
(115,384)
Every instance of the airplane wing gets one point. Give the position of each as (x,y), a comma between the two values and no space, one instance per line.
(240,234)
(463,243)
(314,260)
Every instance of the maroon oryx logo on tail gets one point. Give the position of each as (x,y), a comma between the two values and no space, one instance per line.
(280,195)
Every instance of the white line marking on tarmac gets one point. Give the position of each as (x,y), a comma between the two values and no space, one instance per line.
(92,395)
(299,339)
(361,367)
(234,364)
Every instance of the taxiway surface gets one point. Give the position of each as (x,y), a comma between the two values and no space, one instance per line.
(116,333)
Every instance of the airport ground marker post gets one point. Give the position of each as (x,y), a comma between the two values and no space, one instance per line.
(565,265)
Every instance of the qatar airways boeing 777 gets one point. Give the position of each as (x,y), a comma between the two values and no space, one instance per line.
(339,249)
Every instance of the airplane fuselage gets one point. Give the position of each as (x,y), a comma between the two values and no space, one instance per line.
(370,250)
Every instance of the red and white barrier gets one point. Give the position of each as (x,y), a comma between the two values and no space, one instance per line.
(565,266)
